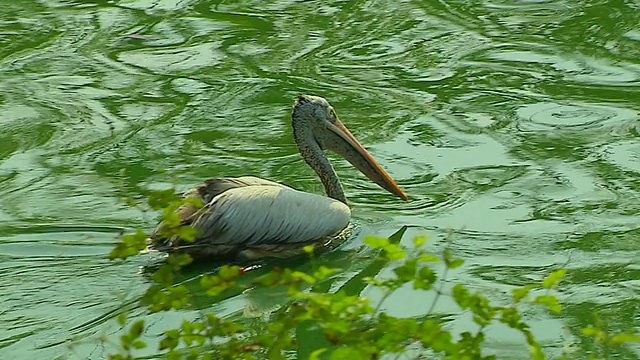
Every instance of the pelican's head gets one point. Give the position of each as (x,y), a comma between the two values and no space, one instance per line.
(315,121)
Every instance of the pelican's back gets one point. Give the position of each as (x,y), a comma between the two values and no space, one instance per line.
(252,213)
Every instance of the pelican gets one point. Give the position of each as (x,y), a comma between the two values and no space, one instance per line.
(247,218)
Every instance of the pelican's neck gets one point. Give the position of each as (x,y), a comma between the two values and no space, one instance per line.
(313,154)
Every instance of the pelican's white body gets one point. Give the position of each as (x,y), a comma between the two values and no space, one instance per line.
(264,212)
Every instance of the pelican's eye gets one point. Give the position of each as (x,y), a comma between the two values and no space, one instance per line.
(332,115)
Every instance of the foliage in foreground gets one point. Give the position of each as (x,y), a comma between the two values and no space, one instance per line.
(320,320)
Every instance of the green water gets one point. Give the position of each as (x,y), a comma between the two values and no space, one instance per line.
(512,125)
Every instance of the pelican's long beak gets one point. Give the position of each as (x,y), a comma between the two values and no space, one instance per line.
(347,146)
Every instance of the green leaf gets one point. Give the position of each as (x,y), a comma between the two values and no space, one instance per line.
(178,296)
(624,338)
(419,240)
(228,272)
(171,339)
(519,294)
(208,281)
(304,277)
(394,252)
(186,233)
(193,202)
(510,316)
(455,263)
(122,319)
(550,302)
(522,292)
(139,344)
(136,329)
(428,258)
(179,260)
(130,245)
(425,279)
(161,198)
(316,354)
(323,272)
(461,296)
(591,331)
(174,355)
(309,249)
(171,221)
(450,261)
(535,351)
(407,271)
(342,353)
(553,279)
(376,242)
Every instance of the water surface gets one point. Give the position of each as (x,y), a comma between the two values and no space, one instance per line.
(512,125)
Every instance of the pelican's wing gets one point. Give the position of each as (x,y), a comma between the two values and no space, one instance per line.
(268,214)
(211,188)
(214,187)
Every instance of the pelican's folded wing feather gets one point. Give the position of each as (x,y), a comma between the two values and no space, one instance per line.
(268,214)
(205,193)
(214,187)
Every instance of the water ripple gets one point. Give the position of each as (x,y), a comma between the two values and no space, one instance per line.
(576,117)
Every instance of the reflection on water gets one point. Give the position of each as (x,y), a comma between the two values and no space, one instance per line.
(512,125)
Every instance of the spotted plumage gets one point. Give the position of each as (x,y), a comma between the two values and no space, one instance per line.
(249,217)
